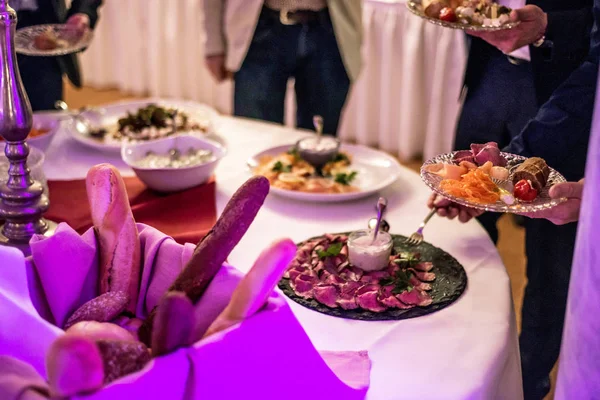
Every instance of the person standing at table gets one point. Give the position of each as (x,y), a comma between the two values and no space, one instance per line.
(42,76)
(261,44)
(509,75)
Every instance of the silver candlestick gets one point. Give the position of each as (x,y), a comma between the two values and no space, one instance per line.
(22,201)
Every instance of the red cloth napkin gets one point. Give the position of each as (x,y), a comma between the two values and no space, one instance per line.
(185,216)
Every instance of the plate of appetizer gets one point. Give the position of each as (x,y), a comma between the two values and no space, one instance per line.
(109,127)
(488,179)
(474,15)
(348,275)
(324,170)
(49,40)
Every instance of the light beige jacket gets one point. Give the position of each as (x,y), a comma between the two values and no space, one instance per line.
(230,25)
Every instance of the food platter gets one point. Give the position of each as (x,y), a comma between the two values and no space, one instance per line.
(415,6)
(541,202)
(63,40)
(107,117)
(375,170)
(449,284)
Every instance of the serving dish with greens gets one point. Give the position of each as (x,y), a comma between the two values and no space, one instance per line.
(353,172)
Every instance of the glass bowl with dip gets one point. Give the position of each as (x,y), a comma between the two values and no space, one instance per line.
(318,150)
(175,163)
(368,254)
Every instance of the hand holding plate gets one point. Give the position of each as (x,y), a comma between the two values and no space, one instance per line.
(532,27)
(567,211)
(447,208)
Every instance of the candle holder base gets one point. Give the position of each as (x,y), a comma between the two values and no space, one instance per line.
(24,246)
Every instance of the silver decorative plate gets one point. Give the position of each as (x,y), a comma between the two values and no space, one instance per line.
(416,8)
(69,42)
(542,202)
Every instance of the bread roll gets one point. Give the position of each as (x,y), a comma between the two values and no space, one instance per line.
(122,358)
(103,308)
(255,288)
(116,232)
(173,324)
(74,366)
(533,169)
(100,331)
(212,251)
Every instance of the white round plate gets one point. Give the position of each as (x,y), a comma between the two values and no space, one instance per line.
(25,41)
(108,115)
(376,170)
(415,7)
(542,202)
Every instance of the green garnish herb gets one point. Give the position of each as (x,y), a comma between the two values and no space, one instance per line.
(401,282)
(332,251)
(341,157)
(294,152)
(345,179)
(280,167)
(408,260)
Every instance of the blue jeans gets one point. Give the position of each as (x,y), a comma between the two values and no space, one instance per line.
(307,52)
(497,109)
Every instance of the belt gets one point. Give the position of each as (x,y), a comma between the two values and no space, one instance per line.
(294,17)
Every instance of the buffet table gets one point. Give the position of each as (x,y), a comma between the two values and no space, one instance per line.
(466,351)
(405,102)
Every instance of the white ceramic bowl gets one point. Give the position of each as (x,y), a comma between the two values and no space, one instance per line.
(172,179)
(46,121)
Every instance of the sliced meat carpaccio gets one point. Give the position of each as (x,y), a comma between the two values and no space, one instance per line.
(326,294)
(415,297)
(352,274)
(374,276)
(464,155)
(334,280)
(415,282)
(423,276)
(303,285)
(347,298)
(424,266)
(366,297)
(387,298)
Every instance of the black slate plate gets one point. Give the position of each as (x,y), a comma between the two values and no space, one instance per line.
(450,283)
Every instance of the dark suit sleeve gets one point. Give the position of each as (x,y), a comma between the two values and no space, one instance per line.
(569,32)
(89,7)
(560,131)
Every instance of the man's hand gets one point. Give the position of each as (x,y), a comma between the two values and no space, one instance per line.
(567,211)
(451,210)
(216,66)
(532,27)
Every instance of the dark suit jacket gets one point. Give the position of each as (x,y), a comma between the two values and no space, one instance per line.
(569,25)
(54,12)
(560,132)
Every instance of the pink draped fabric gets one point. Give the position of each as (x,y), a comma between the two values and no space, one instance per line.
(268,356)
(579,368)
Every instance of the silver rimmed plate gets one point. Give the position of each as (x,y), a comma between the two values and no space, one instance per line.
(416,8)
(68,41)
(106,117)
(376,171)
(542,202)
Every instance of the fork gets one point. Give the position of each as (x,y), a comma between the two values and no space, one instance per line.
(417,238)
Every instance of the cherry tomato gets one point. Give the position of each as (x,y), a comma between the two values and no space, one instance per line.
(447,14)
(524,191)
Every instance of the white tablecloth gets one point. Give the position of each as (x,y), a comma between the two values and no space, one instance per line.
(466,351)
(405,101)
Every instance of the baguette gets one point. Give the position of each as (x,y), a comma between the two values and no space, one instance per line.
(100,330)
(103,308)
(212,251)
(116,232)
(254,289)
(174,323)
